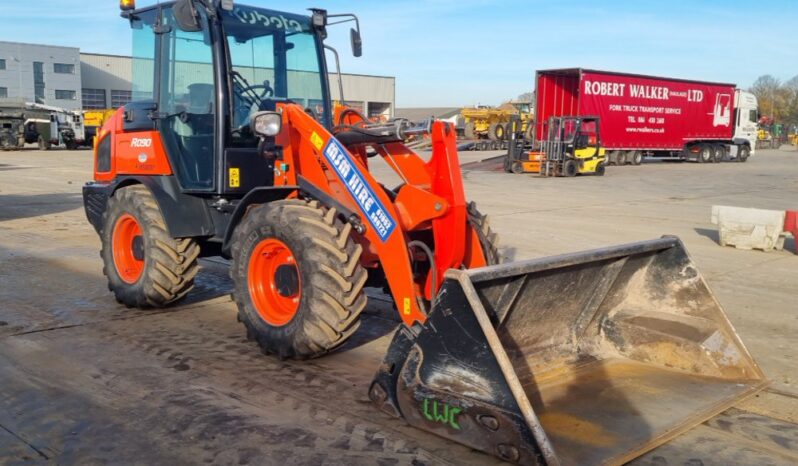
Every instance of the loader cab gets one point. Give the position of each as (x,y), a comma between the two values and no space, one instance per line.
(199,85)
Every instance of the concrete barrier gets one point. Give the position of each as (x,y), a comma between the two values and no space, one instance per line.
(749,228)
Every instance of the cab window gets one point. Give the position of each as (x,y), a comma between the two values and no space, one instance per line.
(273,57)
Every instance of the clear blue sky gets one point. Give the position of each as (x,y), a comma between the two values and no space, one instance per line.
(463,52)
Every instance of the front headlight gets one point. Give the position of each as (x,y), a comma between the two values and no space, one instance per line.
(267,124)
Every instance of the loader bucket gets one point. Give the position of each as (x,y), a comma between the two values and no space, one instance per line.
(587,358)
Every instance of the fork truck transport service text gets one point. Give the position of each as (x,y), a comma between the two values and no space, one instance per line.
(231,147)
(646,116)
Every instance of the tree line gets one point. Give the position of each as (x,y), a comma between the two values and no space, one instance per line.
(777,100)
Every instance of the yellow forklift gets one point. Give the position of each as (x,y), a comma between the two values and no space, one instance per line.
(572,146)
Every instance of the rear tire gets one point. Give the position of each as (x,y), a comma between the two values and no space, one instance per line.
(620,158)
(718,153)
(167,266)
(495,132)
(635,157)
(330,278)
(704,153)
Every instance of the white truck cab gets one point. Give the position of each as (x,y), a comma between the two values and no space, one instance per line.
(747,114)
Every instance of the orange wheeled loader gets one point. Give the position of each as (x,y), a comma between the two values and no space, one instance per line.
(231,147)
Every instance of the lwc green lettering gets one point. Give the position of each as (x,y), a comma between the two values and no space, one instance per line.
(441,412)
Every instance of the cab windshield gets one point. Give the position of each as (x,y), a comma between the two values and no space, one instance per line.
(273,56)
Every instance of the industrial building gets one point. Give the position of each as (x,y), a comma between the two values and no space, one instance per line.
(45,74)
(106,83)
(67,78)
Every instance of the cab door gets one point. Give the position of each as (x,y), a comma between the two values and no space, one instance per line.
(187,101)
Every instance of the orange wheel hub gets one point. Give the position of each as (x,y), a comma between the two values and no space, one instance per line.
(128,248)
(274,282)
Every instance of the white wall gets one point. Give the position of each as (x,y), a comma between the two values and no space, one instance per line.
(18,75)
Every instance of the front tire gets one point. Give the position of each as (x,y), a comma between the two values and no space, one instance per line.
(144,265)
(569,168)
(743,152)
(305,298)
(488,239)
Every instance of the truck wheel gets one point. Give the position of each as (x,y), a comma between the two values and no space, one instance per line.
(43,143)
(145,266)
(743,152)
(704,153)
(620,158)
(635,157)
(468,130)
(298,279)
(718,153)
(495,132)
(569,168)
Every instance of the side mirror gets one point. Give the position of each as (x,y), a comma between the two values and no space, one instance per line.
(186,15)
(267,124)
(357,42)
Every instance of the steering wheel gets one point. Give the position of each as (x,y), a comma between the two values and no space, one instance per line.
(266,91)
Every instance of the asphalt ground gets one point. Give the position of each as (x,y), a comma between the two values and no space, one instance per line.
(85,381)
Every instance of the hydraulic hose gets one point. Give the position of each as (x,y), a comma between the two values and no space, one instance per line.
(423,246)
